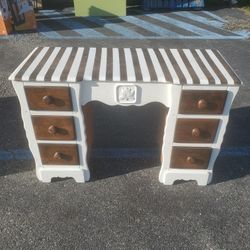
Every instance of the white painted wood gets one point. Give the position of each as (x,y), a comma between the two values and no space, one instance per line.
(170,66)
(187,116)
(129,65)
(182,65)
(126,94)
(84,169)
(53,113)
(46,84)
(232,92)
(103,65)
(196,67)
(56,142)
(106,93)
(224,72)
(59,69)
(75,66)
(46,174)
(174,95)
(143,65)
(48,166)
(193,145)
(209,68)
(157,66)
(202,177)
(116,65)
(205,87)
(90,63)
(81,134)
(31,68)
(45,68)
(27,123)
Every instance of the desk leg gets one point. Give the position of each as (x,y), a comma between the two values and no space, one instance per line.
(168,138)
(81,131)
(89,128)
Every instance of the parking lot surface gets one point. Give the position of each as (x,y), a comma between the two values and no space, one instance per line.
(124,206)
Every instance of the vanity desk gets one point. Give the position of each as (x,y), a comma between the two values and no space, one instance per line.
(54,85)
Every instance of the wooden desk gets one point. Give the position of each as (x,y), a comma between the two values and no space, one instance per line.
(53,84)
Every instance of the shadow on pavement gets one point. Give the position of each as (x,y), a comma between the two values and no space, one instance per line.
(234,164)
(12,137)
(11,125)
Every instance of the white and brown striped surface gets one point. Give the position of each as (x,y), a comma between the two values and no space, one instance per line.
(177,66)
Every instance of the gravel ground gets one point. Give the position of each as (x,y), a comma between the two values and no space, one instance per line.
(238,19)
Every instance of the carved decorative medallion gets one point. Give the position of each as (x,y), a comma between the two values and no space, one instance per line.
(126,93)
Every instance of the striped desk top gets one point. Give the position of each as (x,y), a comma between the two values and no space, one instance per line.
(175,66)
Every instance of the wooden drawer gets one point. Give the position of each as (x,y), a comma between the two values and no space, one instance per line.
(202,102)
(54,127)
(58,154)
(190,158)
(49,98)
(195,130)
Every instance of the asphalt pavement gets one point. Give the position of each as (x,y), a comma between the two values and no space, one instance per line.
(124,206)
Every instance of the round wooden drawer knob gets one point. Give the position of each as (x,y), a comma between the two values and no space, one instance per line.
(190,160)
(48,99)
(58,156)
(202,104)
(52,129)
(196,132)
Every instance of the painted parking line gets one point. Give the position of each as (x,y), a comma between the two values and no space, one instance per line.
(48,32)
(126,153)
(243,33)
(215,16)
(77,27)
(174,25)
(197,25)
(201,19)
(127,33)
(146,25)
(187,26)
(15,154)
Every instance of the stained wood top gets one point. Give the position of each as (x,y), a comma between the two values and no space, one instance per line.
(176,66)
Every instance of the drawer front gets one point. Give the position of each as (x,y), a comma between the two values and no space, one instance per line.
(49,98)
(195,130)
(53,154)
(190,158)
(202,102)
(54,127)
